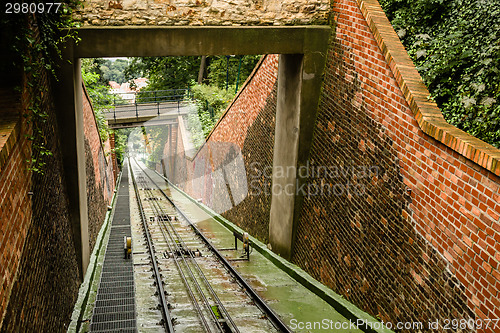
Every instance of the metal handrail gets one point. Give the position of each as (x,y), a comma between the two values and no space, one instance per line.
(153,97)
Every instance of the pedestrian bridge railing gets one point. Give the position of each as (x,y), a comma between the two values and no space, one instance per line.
(145,103)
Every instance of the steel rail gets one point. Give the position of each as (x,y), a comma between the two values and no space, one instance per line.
(184,277)
(273,316)
(200,272)
(188,287)
(178,250)
(167,320)
(156,207)
(221,306)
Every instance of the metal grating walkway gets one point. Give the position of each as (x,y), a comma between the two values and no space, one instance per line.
(114,309)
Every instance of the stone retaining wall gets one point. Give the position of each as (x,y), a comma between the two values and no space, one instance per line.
(202,12)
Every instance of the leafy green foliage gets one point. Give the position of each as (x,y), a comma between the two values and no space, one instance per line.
(182,72)
(121,139)
(34,52)
(456,47)
(113,70)
(99,94)
(22,49)
(211,102)
(220,66)
(164,72)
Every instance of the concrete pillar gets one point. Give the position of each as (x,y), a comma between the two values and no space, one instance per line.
(286,142)
(82,173)
(299,86)
(173,152)
(69,109)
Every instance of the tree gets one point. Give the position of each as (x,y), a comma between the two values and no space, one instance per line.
(164,72)
(98,93)
(456,47)
(182,72)
(226,71)
(112,70)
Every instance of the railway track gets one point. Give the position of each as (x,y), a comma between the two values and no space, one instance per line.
(218,297)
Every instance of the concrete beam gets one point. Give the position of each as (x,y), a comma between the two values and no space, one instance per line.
(140,41)
(69,110)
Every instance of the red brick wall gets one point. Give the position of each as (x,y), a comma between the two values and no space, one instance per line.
(407,226)
(100,172)
(38,265)
(418,239)
(40,276)
(245,134)
(15,211)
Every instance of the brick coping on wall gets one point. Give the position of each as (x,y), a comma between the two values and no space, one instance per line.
(243,87)
(426,112)
(10,124)
(10,129)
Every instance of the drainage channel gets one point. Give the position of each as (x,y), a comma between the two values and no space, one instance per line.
(114,308)
(217,294)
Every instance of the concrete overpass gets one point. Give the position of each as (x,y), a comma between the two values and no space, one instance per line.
(302,61)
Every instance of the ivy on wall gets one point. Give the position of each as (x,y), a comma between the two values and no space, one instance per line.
(31,43)
(455,45)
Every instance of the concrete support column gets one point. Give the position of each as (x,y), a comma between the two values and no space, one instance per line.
(299,86)
(69,108)
(173,152)
(286,143)
(80,160)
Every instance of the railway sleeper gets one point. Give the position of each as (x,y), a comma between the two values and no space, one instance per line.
(183,252)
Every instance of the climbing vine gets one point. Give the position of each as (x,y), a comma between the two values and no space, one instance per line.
(34,44)
(456,47)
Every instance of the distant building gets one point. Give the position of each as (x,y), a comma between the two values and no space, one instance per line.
(125,91)
(114,85)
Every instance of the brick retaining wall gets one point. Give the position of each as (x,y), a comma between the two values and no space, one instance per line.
(418,237)
(39,269)
(38,264)
(100,173)
(224,171)
(15,206)
(410,229)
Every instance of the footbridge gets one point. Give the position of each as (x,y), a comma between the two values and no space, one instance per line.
(161,107)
